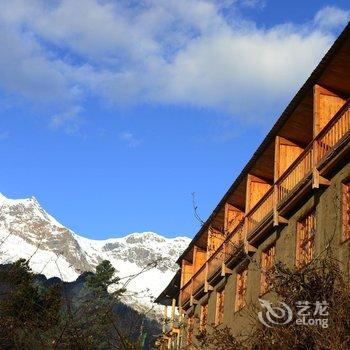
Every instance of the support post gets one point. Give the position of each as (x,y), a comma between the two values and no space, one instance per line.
(173,305)
(165,318)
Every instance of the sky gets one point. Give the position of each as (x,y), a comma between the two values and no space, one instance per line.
(112,113)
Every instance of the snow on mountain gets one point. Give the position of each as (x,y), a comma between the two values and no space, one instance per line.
(28,231)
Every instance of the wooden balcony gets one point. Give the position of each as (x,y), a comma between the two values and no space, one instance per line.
(186,292)
(234,238)
(214,263)
(333,134)
(299,170)
(234,244)
(199,279)
(318,154)
(261,211)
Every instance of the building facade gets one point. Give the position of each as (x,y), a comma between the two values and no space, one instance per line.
(288,204)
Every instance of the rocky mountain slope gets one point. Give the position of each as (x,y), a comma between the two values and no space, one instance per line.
(145,261)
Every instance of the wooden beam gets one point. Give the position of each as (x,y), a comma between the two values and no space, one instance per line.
(248,248)
(225,270)
(275,201)
(173,305)
(276,163)
(323,181)
(280,220)
(318,180)
(208,287)
(193,301)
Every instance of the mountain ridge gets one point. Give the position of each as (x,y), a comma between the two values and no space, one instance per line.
(28,231)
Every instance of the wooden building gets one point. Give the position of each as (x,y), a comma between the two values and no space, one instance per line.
(293,194)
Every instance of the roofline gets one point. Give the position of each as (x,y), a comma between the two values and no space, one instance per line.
(172,284)
(310,82)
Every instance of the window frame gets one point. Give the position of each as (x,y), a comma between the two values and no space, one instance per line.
(345,210)
(190,330)
(266,266)
(203,320)
(241,289)
(219,307)
(305,236)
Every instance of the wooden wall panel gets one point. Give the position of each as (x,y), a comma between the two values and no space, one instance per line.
(199,258)
(256,188)
(215,239)
(286,153)
(326,105)
(186,272)
(233,217)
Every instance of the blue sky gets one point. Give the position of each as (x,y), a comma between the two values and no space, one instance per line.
(113,112)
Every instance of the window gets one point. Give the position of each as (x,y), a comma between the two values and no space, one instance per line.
(219,315)
(346,210)
(267,261)
(306,230)
(190,330)
(203,317)
(241,289)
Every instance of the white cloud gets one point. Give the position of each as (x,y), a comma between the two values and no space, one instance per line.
(254,3)
(187,52)
(332,17)
(70,120)
(129,139)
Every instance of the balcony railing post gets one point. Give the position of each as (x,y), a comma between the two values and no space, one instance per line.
(173,305)
(315,174)
(165,318)
(191,288)
(245,234)
(245,228)
(223,255)
(275,202)
(206,277)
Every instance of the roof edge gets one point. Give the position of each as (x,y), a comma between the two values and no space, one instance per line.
(310,82)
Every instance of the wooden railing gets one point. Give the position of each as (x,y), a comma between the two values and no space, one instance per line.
(336,130)
(199,278)
(186,292)
(298,170)
(237,234)
(213,263)
(326,141)
(234,240)
(216,260)
(260,211)
(167,326)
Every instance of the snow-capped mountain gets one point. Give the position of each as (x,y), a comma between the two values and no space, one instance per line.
(27,231)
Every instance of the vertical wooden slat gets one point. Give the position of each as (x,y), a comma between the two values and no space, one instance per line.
(306,230)
(173,305)
(241,289)
(219,312)
(267,262)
